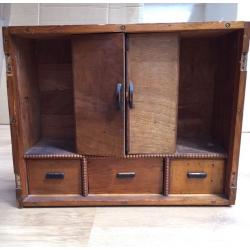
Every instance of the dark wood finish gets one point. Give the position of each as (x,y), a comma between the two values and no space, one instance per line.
(103,179)
(56,88)
(182,183)
(48,31)
(98,65)
(126,200)
(39,184)
(198,67)
(166,166)
(24,50)
(236,123)
(152,65)
(42,86)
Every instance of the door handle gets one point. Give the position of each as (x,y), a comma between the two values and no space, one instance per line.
(125,175)
(197,175)
(54,175)
(131,95)
(119,97)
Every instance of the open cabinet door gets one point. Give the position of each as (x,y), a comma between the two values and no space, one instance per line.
(98,69)
(152,85)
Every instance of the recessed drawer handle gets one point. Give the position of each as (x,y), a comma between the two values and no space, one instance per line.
(125,175)
(53,175)
(197,175)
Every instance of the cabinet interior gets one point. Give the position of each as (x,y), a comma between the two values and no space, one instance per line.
(207,74)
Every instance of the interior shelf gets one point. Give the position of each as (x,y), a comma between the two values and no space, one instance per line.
(52,147)
(199,147)
(66,148)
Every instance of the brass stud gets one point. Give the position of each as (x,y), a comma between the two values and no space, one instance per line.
(227,25)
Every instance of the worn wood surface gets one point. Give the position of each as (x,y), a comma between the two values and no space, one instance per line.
(98,66)
(152,65)
(148,179)
(56,88)
(29,99)
(126,200)
(38,184)
(236,122)
(41,31)
(198,67)
(212,184)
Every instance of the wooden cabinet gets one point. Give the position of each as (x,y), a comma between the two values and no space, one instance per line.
(143,114)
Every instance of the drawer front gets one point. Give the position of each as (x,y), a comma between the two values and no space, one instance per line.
(197,176)
(54,176)
(125,176)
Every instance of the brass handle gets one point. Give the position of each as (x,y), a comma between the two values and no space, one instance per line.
(125,175)
(197,175)
(131,94)
(119,97)
(55,175)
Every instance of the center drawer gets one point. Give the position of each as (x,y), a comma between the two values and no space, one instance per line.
(125,176)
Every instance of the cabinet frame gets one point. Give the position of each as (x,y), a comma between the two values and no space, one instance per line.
(17,134)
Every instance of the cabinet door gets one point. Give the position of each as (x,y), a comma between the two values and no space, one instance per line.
(152,82)
(98,68)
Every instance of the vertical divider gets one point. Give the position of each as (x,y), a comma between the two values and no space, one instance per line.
(85,190)
(166,165)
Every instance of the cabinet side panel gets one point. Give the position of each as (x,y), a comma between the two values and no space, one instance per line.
(98,66)
(27,85)
(153,65)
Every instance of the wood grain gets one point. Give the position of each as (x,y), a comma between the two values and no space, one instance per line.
(54,71)
(38,184)
(98,66)
(152,65)
(212,184)
(198,68)
(24,50)
(103,179)
(63,30)
(126,200)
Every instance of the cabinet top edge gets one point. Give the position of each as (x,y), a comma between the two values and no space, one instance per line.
(126,28)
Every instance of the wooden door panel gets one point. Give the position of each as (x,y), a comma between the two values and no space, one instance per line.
(152,66)
(98,66)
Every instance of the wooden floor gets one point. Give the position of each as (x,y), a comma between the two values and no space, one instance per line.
(173,227)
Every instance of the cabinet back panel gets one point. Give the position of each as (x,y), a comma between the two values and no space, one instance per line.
(208,72)
(56,88)
(28,90)
(152,65)
(198,66)
(98,62)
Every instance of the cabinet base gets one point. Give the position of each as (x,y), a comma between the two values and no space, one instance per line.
(124,200)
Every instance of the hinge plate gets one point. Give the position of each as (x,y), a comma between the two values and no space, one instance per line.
(243,62)
(18,182)
(8,64)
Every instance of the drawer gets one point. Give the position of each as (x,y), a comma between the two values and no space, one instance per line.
(125,176)
(54,176)
(197,176)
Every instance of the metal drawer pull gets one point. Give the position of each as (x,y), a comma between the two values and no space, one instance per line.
(53,175)
(125,175)
(197,175)
(119,97)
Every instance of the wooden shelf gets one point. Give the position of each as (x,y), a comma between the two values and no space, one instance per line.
(185,146)
(52,148)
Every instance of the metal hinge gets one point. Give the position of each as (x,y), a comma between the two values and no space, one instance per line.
(243,62)
(18,182)
(8,64)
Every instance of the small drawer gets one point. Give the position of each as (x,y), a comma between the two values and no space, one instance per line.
(197,176)
(125,176)
(54,176)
